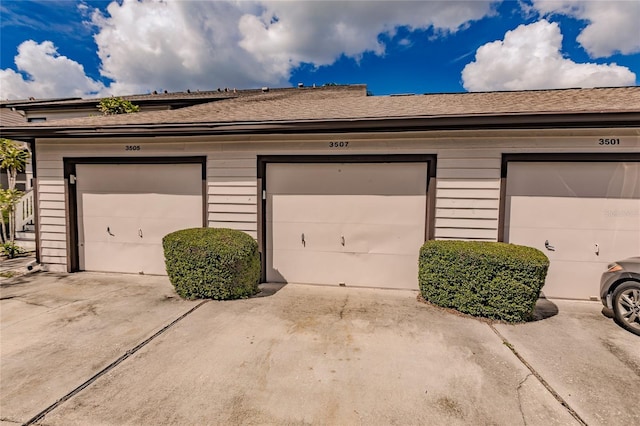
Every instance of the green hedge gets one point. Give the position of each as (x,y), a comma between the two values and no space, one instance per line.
(492,280)
(212,263)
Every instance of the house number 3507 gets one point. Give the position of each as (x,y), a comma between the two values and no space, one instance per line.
(338,144)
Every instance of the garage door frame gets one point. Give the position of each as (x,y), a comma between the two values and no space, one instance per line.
(73,256)
(263,160)
(550,158)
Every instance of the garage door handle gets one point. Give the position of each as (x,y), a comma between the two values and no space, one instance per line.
(304,243)
(549,247)
(109,232)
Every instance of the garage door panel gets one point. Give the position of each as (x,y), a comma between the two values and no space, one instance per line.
(126,258)
(293,266)
(107,229)
(579,285)
(575,179)
(348,179)
(154,229)
(148,260)
(578,213)
(392,239)
(358,238)
(118,205)
(169,206)
(379,209)
(347,208)
(139,204)
(112,257)
(352,269)
(393,271)
(127,229)
(317,236)
(139,178)
(580,245)
(575,205)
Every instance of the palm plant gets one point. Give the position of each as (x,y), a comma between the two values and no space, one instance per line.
(13,159)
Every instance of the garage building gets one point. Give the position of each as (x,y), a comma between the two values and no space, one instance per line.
(342,188)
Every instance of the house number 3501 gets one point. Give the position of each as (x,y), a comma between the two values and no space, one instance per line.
(132,147)
(607,141)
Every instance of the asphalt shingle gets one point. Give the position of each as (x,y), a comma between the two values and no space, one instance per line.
(351,102)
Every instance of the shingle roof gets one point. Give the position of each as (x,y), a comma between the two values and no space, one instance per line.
(157,97)
(34,101)
(325,104)
(11,118)
(192,97)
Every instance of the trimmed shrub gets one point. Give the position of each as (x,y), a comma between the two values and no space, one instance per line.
(212,263)
(492,280)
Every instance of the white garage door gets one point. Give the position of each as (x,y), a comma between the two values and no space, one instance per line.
(361,224)
(124,210)
(589,212)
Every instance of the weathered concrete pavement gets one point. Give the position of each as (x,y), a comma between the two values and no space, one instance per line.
(589,360)
(58,330)
(305,355)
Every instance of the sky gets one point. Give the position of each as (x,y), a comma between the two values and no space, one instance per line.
(88,48)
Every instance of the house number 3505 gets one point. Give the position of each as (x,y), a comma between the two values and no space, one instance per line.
(132,147)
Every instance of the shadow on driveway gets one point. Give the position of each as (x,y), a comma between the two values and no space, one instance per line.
(544,309)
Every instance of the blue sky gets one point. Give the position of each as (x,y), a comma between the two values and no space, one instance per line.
(60,48)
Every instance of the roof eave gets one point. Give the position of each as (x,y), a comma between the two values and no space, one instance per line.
(417,123)
(94,103)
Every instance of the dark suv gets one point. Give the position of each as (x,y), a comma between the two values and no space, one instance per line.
(620,291)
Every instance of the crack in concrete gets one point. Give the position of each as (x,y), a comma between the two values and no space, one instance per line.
(6,419)
(537,375)
(344,305)
(109,367)
(24,301)
(524,419)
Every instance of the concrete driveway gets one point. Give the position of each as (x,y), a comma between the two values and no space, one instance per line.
(106,349)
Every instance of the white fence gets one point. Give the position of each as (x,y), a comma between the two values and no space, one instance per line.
(24,211)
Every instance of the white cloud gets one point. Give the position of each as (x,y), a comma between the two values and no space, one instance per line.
(177,45)
(49,74)
(319,32)
(612,27)
(530,57)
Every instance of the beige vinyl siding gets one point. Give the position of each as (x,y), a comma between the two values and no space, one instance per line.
(468,171)
(232,192)
(467,195)
(52,223)
(52,204)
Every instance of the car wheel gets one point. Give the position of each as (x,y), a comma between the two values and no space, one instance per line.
(626,306)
